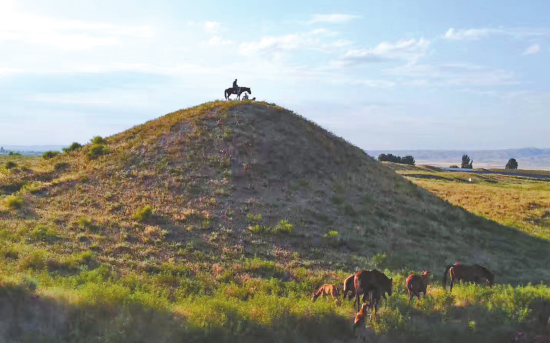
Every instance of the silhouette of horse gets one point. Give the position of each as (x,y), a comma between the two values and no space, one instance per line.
(466,272)
(417,284)
(229,91)
(349,287)
(374,283)
(326,290)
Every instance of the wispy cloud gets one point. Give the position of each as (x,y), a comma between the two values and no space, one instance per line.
(276,45)
(212,27)
(217,40)
(458,74)
(471,34)
(476,34)
(64,34)
(533,49)
(331,18)
(408,50)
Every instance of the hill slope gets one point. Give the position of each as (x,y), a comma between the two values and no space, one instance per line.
(239,192)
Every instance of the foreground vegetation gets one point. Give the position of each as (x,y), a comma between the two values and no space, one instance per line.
(200,226)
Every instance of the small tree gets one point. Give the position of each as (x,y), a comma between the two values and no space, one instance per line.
(467,163)
(512,164)
(408,160)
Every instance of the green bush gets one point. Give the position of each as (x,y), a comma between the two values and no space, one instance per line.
(14,153)
(14,202)
(73,147)
(61,166)
(331,234)
(283,226)
(98,140)
(42,233)
(84,222)
(50,154)
(97,150)
(10,165)
(142,214)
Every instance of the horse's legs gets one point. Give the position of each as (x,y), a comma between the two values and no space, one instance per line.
(410,295)
(452,283)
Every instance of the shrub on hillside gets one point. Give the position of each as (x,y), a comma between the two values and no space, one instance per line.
(512,164)
(142,214)
(10,165)
(453,166)
(14,153)
(14,202)
(98,140)
(97,150)
(73,147)
(50,154)
(284,227)
(397,159)
(61,166)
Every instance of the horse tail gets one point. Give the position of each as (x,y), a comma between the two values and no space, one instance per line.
(445,275)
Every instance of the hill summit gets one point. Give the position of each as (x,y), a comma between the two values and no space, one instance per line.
(253,179)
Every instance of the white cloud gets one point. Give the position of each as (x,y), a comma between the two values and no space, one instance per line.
(216,40)
(409,50)
(331,18)
(64,34)
(211,27)
(275,46)
(453,75)
(533,49)
(476,34)
(471,34)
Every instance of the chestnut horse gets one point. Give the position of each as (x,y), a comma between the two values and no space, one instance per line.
(371,282)
(417,284)
(360,317)
(326,290)
(466,272)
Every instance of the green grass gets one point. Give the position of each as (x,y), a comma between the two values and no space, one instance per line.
(236,245)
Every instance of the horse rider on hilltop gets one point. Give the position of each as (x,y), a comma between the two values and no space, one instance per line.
(236,88)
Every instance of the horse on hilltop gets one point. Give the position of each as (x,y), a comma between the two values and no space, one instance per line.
(230,91)
(470,273)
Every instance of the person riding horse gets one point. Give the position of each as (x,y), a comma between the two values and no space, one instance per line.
(236,88)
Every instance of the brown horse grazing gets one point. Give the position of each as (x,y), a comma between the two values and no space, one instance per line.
(349,287)
(371,282)
(326,290)
(417,284)
(470,273)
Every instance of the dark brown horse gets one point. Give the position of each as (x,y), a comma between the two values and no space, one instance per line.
(470,273)
(417,284)
(373,283)
(229,91)
(349,287)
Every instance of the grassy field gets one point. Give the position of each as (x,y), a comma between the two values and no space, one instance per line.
(200,226)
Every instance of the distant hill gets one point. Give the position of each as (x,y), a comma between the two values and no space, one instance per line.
(31,149)
(528,158)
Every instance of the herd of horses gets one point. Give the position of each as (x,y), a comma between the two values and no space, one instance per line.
(373,285)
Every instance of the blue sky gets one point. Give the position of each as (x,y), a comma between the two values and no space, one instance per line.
(381,74)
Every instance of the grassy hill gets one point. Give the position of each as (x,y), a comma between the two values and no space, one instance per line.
(218,222)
